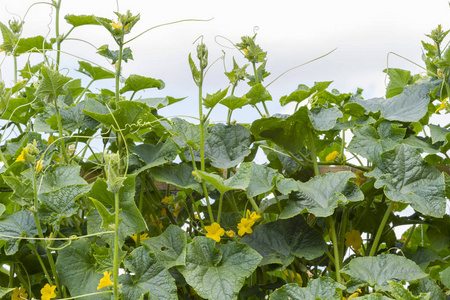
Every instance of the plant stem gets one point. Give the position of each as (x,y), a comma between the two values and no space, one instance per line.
(61,135)
(405,244)
(255,206)
(278,201)
(47,275)
(220,208)
(374,248)
(58,40)
(337,263)
(116,246)
(15,69)
(312,147)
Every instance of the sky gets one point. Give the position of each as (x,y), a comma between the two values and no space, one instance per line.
(292,33)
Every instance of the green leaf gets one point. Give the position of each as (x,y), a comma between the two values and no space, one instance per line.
(76,269)
(9,38)
(256,179)
(216,180)
(398,79)
(5,291)
(136,83)
(18,110)
(195,72)
(179,175)
(104,257)
(427,285)
(128,116)
(211,100)
(227,145)
(188,133)
(379,270)
(113,55)
(36,44)
(445,277)
(95,73)
(439,134)
(170,247)
(155,155)
(258,93)
(72,119)
(373,296)
(158,103)
(280,241)
(319,288)
(400,293)
(19,224)
(303,92)
(108,219)
(320,195)
(150,277)
(370,142)
(80,20)
(285,131)
(324,119)
(407,178)
(51,84)
(233,102)
(422,144)
(131,218)
(409,106)
(218,271)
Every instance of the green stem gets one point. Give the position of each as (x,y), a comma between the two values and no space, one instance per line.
(58,39)
(44,268)
(255,206)
(84,91)
(116,247)
(278,202)
(118,71)
(312,147)
(405,244)
(220,208)
(61,135)
(141,204)
(337,263)
(374,248)
(341,155)
(11,275)
(15,70)
(40,233)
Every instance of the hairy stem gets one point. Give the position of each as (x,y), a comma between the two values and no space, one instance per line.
(374,248)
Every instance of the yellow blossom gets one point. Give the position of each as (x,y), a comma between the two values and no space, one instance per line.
(230,233)
(214,231)
(48,292)
(21,157)
(19,294)
(39,164)
(253,216)
(353,239)
(142,237)
(245,226)
(50,139)
(105,281)
(444,104)
(166,199)
(196,216)
(360,178)
(116,25)
(177,210)
(332,156)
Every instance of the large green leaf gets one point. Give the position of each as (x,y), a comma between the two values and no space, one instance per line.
(188,133)
(95,73)
(286,131)
(51,84)
(76,269)
(320,195)
(407,178)
(227,145)
(400,293)
(258,93)
(19,224)
(303,92)
(58,192)
(324,119)
(17,110)
(155,155)
(427,285)
(131,218)
(128,116)
(136,83)
(72,118)
(256,179)
(409,106)
(210,101)
(179,175)
(150,277)
(233,102)
(169,247)
(319,288)
(5,291)
(217,181)
(370,142)
(398,79)
(33,44)
(218,271)
(379,270)
(80,20)
(158,103)
(280,241)
(9,38)
(439,134)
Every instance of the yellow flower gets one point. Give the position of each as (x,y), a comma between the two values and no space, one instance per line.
(39,165)
(177,210)
(196,216)
(48,292)
(253,216)
(142,237)
(116,25)
(214,231)
(245,226)
(360,178)
(166,199)
(444,104)
(19,294)
(332,156)
(230,233)
(21,157)
(105,281)
(353,239)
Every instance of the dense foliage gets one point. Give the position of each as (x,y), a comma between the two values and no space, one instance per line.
(173,209)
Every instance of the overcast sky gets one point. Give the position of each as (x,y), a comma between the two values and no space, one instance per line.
(292,32)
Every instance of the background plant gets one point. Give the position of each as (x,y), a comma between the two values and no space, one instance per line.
(173,209)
